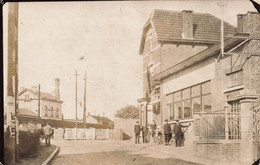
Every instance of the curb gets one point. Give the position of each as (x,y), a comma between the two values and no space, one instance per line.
(47,161)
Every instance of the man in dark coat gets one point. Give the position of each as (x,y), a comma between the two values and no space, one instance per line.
(137,131)
(145,133)
(167,131)
(179,136)
(153,128)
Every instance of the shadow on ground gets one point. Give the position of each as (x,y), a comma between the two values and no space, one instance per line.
(115,158)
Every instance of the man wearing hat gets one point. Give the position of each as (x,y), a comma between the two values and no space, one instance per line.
(179,136)
(137,130)
(167,131)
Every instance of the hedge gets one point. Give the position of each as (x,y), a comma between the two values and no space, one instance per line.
(28,142)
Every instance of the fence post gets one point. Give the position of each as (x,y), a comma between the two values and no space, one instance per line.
(226,122)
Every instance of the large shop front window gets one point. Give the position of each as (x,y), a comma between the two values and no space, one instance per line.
(183,103)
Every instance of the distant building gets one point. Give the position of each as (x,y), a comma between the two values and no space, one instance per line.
(185,78)
(92,119)
(50,104)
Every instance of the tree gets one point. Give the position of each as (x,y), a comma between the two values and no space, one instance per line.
(127,112)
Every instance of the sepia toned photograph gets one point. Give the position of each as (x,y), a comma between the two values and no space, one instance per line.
(131,82)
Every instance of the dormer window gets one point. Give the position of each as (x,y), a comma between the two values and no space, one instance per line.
(149,40)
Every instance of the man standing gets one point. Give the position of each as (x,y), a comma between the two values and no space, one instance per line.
(145,133)
(179,136)
(47,133)
(137,130)
(167,131)
(153,128)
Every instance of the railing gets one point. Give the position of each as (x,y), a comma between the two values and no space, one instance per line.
(256,123)
(211,126)
(218,125)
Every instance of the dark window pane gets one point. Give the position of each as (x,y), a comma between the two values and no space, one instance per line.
(206,103)
(187,108)
(206,87)
(186,93)
(195,90)
(178,110)
(196,104)
(177,96)
(170,108)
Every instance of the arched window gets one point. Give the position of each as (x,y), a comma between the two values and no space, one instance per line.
(57,112)
(51,111)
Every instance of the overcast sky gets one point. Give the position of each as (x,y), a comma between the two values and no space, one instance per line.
(53,36)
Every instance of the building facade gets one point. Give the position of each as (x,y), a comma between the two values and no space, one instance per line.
(186,78)
(50,104)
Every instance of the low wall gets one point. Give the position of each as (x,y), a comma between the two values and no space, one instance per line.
(127,125)
(83,134)
(222,150)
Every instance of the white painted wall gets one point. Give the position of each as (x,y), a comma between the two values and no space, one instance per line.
(188,77)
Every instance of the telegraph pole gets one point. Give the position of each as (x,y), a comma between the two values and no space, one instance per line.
(85,99)
(12,80)
(76,102)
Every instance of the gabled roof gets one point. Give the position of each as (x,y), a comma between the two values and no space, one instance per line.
(103,119)
(43,95)
(27,112)
(168,27)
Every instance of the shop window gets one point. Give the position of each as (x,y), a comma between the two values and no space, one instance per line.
(186,93)
(178,109)
(187,108)
(195,90)
(193,99)
(206,87)
(171,111)
(177,96)
(206,103)
(196,104)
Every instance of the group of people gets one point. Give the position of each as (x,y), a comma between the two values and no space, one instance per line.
(177,131)
(167,131)
(145,132)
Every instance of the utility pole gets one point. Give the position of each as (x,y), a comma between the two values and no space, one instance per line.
(85,99)
(12,80)
(39,103)
(76,102)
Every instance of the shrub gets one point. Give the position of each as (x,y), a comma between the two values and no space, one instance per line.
(29,140)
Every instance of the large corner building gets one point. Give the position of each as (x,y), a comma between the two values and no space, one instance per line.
(186,77)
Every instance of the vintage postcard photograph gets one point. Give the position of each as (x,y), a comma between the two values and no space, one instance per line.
(131,82)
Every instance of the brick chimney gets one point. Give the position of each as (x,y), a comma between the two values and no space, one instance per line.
(57,88)
(187,24)
(249,23)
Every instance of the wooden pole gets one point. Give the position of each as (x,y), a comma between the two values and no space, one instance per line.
(12,78)
(76,102)
(85,99)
